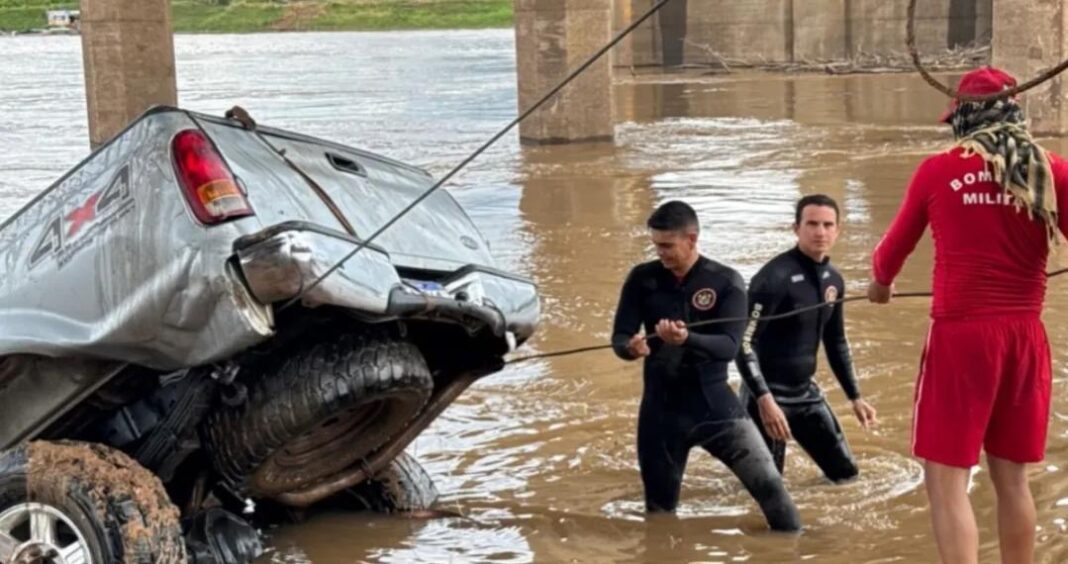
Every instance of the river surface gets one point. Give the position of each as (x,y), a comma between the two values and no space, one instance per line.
(539,460)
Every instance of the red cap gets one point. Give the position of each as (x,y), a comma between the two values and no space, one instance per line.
(983,80)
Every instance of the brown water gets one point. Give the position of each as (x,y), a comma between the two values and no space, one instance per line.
(540,459)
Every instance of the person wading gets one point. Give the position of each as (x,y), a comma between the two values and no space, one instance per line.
(778,357)
(686,401)
(995,202)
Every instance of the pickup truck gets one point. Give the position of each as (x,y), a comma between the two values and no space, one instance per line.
(171,352)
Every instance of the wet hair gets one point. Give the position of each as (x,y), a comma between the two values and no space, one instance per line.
(815,200)
(674,216)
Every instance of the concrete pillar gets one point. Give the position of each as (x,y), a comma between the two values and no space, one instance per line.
(878,26)
(552,37)
(128,51)
(751,30)
(1029,37)
(642,47)
(820,30)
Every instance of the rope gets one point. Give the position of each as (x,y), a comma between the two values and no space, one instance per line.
(910,40)
(593,58)
(784,315)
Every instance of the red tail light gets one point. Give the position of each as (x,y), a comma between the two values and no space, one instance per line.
(207,183)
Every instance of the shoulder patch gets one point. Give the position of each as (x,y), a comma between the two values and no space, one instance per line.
(830,294)
(704,299)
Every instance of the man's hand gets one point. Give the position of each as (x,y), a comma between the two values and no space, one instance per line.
(774,419)
(637,346)
(672,332)
(865,413)
(879,294)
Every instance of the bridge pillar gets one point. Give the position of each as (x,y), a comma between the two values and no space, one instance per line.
(128,52)
(551,38)
(1029,37)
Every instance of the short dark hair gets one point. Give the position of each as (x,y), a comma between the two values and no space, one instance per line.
(673,216)
(815,200)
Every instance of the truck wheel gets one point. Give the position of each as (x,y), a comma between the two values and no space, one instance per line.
(66,503)
(322,409)
(403,486)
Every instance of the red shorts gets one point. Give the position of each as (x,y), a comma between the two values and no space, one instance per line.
(983,383)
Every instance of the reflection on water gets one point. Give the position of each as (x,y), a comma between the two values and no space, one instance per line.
(540,459)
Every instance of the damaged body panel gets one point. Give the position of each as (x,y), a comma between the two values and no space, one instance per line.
(169,299)
(109,263)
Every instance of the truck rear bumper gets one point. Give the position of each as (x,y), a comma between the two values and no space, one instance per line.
(281,261)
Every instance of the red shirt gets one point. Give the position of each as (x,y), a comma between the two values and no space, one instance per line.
(990,257)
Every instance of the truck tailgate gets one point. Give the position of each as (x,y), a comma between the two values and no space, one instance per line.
(364,189)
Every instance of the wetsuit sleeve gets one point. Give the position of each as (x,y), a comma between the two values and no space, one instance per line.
(628,316)
(906,228)
(837,348)
(764,297)
(721,341)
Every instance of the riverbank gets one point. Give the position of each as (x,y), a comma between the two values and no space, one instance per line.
(247,16)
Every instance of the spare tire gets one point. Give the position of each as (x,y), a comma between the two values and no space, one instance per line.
(323,408)
(83,502)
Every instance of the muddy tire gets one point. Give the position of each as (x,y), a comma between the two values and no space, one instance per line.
(323,409)
(87,502)
(403,486)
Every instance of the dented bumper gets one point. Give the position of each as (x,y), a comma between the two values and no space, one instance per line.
(280,262)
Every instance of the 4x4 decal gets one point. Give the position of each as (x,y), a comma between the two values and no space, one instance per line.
(67,233)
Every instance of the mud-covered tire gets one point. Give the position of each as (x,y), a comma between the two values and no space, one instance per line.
(402,486)
(98,501)
(323,409)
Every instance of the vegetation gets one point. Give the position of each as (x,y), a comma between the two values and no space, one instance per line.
(240,16)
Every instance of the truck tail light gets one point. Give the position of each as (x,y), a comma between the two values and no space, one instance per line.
(207,183)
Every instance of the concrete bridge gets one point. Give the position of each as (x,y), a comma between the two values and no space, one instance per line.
(687,31)
(129,50)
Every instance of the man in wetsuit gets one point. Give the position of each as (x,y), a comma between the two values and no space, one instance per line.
(995,202)
(778,357)
(686,400)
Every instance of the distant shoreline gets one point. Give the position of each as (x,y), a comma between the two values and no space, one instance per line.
(256,16)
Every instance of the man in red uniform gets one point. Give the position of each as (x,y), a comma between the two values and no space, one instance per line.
(994,201)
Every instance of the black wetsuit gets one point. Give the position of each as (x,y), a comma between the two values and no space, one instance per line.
(780,356)
(686,400)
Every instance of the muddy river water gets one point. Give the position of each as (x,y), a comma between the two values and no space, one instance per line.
(539,461)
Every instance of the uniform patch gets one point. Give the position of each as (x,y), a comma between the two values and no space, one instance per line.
(826,274)
(830,294)
(704,299)
(797,278)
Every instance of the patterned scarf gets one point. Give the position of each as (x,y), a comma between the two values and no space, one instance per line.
(995,130)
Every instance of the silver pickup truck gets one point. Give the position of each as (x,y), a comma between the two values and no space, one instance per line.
(152,384)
